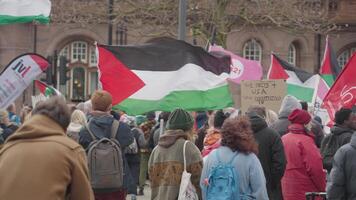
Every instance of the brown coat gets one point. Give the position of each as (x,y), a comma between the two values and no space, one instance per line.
(39,162)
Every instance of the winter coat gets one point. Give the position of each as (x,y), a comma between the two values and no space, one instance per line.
(7,131)
(304,171)
(338,137)
(343,178)
(271,155)
(317,130)
(251,179)
(201,135)
(39,162)
(289,104)
(166,165)
(73,131)
(100,124)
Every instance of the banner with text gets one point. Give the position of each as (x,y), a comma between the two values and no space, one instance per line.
(18,75)
(267,93)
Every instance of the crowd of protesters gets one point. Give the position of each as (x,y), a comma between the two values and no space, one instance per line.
(89,151)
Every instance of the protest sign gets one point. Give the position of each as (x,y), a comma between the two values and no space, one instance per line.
(18,75)
(267,93)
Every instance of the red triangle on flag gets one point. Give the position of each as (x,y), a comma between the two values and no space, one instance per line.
(276,71)
(116,78)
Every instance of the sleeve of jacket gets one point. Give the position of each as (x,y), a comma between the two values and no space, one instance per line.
(124,135)
(313,164)
(194,165)
(278,159)
(84,138)
(336,188)
(80,187)
(327,162)
(258,181)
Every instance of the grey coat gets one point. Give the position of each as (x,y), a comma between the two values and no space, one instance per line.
(343,177)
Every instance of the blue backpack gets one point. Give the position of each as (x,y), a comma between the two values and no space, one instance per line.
(223,181)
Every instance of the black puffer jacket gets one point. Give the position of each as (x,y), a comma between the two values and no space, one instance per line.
(343,177)
(271,155)
(331,143)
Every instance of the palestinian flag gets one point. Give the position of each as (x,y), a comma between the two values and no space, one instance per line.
(300,83)
(47,90)
(162,75)
(22,11)
(330,68)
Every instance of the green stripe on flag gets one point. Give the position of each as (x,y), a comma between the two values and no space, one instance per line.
(300,92)
(212,99)
(7,19)
(328,78)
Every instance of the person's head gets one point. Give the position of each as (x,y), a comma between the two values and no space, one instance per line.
(289,104)
(56,109)
(304,105)
(101,101)
(345,117)
(237,135)
(140,119)
(11,108)
(151,116)
(78,117)
(259,110)
(4,117)
(271,117)
(299,116)
(164,116)
(80,106)
(219,119)
(180,119)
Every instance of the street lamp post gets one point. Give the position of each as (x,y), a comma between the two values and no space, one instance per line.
(182,19)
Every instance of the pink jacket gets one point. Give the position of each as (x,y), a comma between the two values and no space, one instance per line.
(304,171)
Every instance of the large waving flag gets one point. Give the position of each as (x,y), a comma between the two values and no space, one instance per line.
(241,68)
(47,90)
(343,91)
(330,68)
(24,11)
(300,83)
(162,75)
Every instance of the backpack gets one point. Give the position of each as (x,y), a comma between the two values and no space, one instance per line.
(187,190)
(223,181)
(133,147)
(105,160)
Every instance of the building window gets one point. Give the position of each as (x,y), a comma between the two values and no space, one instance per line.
(93,82)
(93,60)
(292,54)
(79,51)
(252,50)
(343,58)
(78,83)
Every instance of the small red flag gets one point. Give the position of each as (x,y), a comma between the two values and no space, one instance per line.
(343,91)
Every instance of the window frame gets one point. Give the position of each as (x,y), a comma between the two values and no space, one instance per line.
(247,50)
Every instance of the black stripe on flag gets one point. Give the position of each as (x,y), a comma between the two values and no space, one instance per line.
(166,54)
(301,74)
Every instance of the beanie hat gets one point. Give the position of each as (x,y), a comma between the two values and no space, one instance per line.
(151,115)
(140,119)
(101,100)
(342,115)
(180,119)
(299,116)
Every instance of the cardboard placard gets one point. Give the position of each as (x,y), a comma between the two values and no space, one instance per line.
(267,93)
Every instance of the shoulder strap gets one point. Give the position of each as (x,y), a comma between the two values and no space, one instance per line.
(184,158)
(233,158)
(90,132)
(114,128)
(218,157)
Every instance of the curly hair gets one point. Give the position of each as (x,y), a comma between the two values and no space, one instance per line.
(237,135)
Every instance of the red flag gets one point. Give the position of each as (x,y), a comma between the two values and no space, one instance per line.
(329,69)
(343,91)
(276,70)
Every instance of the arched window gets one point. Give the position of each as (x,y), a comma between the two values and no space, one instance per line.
(252,50)
(78,83)
(79,51)
(343,58)
(292,54)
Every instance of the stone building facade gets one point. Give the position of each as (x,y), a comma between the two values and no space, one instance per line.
(77,44)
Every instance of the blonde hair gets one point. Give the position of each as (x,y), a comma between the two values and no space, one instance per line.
(271,117)
(78,117)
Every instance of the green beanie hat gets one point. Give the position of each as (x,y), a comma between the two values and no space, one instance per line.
(180,119)
(140,119)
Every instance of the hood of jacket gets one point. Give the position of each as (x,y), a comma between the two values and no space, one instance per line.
(100,123)
(338,130)
(74,127)
(37,126)
(170,137)
(289,104)
(257,122)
